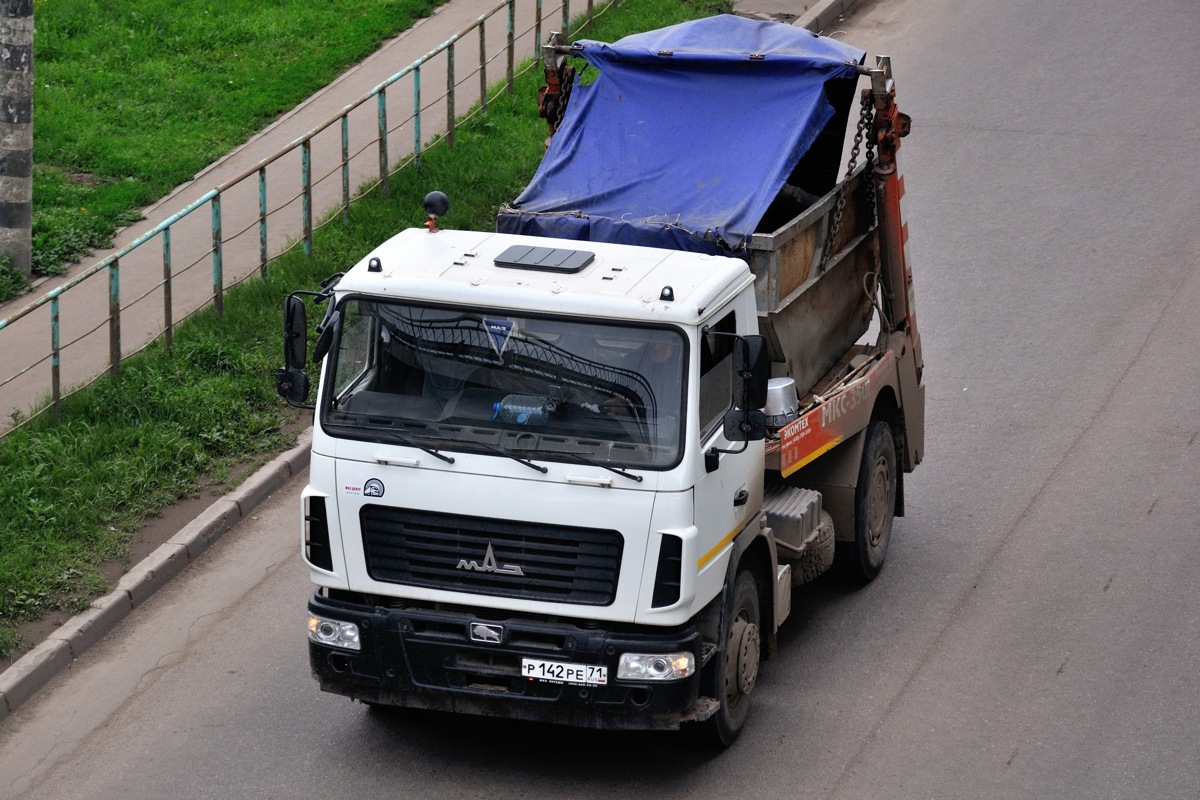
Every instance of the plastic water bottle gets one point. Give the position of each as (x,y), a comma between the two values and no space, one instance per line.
(523,409)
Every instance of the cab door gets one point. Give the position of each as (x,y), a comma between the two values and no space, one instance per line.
(729,483)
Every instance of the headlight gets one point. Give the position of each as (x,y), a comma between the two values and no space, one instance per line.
(333,633)
(655,666)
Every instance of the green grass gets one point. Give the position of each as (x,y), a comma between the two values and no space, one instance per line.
(127,447)
(134,97)
(12,283)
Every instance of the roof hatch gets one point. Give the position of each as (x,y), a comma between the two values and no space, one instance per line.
(546,259)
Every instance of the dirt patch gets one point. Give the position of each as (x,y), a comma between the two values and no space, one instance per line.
(83,178)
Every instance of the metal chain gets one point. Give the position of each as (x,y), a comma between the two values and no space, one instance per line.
(866,119)
(869,159)
(566,81)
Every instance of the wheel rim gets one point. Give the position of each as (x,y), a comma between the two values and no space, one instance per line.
(880,501)
(748,651)
(741,669)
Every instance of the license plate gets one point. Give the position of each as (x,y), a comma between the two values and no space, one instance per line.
(562,672)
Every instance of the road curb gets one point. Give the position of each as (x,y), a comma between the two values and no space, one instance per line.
(35,669)
(22,679)
(817,17)
(825,13)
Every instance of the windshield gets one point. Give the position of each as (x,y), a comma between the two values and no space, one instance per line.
(556,389)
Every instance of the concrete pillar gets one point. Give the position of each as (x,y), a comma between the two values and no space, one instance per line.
(16,132)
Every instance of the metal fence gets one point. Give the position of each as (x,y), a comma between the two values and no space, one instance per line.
(76,354)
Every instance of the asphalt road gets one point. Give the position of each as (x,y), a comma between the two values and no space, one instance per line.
(1036,630)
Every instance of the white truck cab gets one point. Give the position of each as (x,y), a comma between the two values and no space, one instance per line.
(521,481)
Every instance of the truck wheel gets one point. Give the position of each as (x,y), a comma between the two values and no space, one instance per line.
(874,503)
(733,675)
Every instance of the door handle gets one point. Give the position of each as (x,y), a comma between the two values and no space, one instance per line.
(741,497)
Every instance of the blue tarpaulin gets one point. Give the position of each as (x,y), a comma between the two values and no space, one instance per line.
(686,136)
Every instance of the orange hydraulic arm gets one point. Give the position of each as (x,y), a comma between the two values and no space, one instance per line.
(553,97)
(889,126)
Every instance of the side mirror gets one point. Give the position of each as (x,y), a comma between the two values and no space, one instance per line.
(752,371)
(745,426)
(746,422)
(292,385)
(295,332)
(291,381)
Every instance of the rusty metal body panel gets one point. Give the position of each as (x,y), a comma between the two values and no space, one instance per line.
(812,315)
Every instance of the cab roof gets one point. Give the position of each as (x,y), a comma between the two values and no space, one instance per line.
(540,274)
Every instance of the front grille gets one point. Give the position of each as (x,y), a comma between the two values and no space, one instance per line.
(450,551)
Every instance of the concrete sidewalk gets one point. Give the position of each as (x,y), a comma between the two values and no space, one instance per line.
(20,681)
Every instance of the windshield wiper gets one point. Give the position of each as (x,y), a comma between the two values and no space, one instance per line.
(591,462)
(407,442)
(518,459)
(449,460)
(579,458)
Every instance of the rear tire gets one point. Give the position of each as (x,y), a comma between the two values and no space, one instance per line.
(874,504)
(733,673)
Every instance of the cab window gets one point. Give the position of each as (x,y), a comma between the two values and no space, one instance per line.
(716,373)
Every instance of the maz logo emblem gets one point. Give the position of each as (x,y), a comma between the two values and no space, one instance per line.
(486,633)
(489,565)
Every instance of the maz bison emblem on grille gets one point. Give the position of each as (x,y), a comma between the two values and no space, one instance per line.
(489,565)
(481,632)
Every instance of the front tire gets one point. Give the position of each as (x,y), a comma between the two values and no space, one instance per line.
(735,671)
(874,503)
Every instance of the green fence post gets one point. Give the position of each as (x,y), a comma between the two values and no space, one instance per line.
(450,96)
(417,113)
(383,143)
(346,169)
(482,65)
(262,221)
(306,200)
(168,318)
(537,33)
(512,42)
(218,275)
(114,316)
(55,362)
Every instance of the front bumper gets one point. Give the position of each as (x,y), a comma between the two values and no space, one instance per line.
(427,658)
